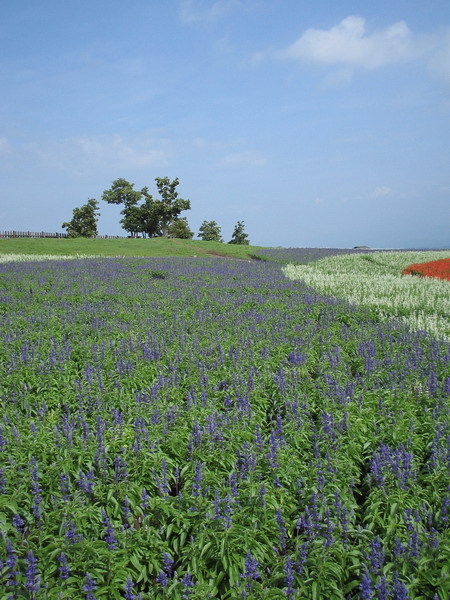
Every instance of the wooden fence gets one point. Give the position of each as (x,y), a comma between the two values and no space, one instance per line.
(44,234)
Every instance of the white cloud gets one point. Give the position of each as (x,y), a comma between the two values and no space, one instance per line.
(349,43)
(85,153)
(244,159)
(381,192)
(439,62)
(5,147)
(339,78)
(195,11)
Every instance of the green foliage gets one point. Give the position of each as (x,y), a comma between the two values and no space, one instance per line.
(209,231)
(179,228)
(170,205)
(151,217)
(84,220)
(239,236)
(122,192)
(247,407)
(157,246)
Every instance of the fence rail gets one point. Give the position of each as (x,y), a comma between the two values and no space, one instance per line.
(44,234)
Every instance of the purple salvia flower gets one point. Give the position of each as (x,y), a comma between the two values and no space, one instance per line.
(2,482)
(126,512)
(187,583)
(414,545)
(86,482)
(168,563)
(399,589)
(365,586)
(399,549)
(145,497)
(197,483)
(89,587)
(289,578)
(166,574)
(11,561)
(259,441)
(296,358)
(216,504)
(433,539)
(262,495)
(18,523)
(120,469)
(227,512)
(376,555)
(64,486)
(36,489)
(445,508)
(233,483)
(162,579)
(272,454)
(302,557)
(329,529)
(250,567)
(281,528)
(32,575)
(71,534)
(3,442)
(64,570)
(382,589)
(129,590)
(110,537)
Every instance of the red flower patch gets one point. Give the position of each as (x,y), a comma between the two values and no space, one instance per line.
(439,269)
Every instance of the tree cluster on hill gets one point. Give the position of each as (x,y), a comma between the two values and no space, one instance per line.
(84,220)
(143,215)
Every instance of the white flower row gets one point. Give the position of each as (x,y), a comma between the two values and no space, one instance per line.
(375,280)
(4,258)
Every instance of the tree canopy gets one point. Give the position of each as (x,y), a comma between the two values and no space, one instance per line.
(209,231)
(141,213)
(84,220)
(179,228)
(239,236)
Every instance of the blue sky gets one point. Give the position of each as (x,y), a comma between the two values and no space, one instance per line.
(316,123)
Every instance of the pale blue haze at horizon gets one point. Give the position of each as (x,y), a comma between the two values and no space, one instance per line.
(318,124)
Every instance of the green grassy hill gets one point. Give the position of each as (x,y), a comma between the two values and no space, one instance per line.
(125,247)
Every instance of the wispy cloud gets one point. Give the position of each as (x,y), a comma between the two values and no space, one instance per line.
(349,43)
(381,192)
(439,62)
(6,148)
(197,11)
(86,153)
(244,159)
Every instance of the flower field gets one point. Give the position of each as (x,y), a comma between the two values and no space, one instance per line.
(177,428)
(375,280)
(436,268)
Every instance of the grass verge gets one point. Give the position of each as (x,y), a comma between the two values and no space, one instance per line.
(154,247)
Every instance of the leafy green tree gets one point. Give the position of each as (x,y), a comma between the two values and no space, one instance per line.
(151,217)
(84,220)
(209,231)
(179,228)
(170,205)
(122,192)
(239,236)
(132,219)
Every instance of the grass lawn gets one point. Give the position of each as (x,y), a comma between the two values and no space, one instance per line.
(125,247)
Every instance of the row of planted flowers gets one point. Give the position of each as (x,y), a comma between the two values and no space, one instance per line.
(440,269)
(205,428)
